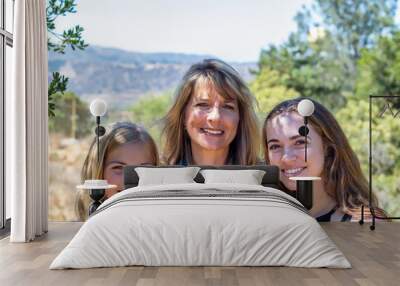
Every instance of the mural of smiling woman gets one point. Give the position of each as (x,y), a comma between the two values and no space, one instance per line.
(212,120)
(343,188)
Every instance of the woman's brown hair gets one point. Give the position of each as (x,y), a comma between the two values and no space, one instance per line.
(244,149)
(119,133)
(342,175)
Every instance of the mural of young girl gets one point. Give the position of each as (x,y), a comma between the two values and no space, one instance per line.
(212,120)
(343,188)
(123,144)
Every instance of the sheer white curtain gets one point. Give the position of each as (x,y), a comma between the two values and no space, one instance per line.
(27,123)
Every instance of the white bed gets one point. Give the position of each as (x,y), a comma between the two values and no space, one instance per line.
(201,224)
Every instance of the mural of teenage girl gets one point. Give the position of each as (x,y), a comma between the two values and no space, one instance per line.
(343,188)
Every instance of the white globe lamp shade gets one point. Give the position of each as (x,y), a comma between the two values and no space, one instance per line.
(98,107)
(305,107)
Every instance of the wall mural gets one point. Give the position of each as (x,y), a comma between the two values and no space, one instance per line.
(156,80)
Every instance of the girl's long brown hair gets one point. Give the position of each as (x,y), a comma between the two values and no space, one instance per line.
(342,175)
(119,133)
(244,149)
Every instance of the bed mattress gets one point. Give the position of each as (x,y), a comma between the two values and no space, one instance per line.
(201,225)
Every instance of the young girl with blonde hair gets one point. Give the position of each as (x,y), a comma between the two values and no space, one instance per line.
(123,144)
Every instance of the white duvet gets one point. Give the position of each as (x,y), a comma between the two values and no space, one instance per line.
(223,225)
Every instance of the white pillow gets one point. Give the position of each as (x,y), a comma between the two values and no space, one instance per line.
(162,176)
(249,177)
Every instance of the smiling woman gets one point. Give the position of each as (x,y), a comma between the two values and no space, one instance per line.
(212,121)
(125,144)
(343,188)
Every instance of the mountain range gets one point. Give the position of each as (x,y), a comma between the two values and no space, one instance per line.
(121,77)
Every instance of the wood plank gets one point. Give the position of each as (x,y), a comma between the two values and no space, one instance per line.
(374,255)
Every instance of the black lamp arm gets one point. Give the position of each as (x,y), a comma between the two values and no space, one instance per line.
(303,131)
(305,137)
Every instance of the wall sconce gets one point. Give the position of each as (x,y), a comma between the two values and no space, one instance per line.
(97,187)
(305,109)
(304,185)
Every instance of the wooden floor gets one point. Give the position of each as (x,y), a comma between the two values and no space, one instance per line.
(374,255)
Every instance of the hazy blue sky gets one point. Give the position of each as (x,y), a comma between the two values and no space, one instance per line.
(234,30)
